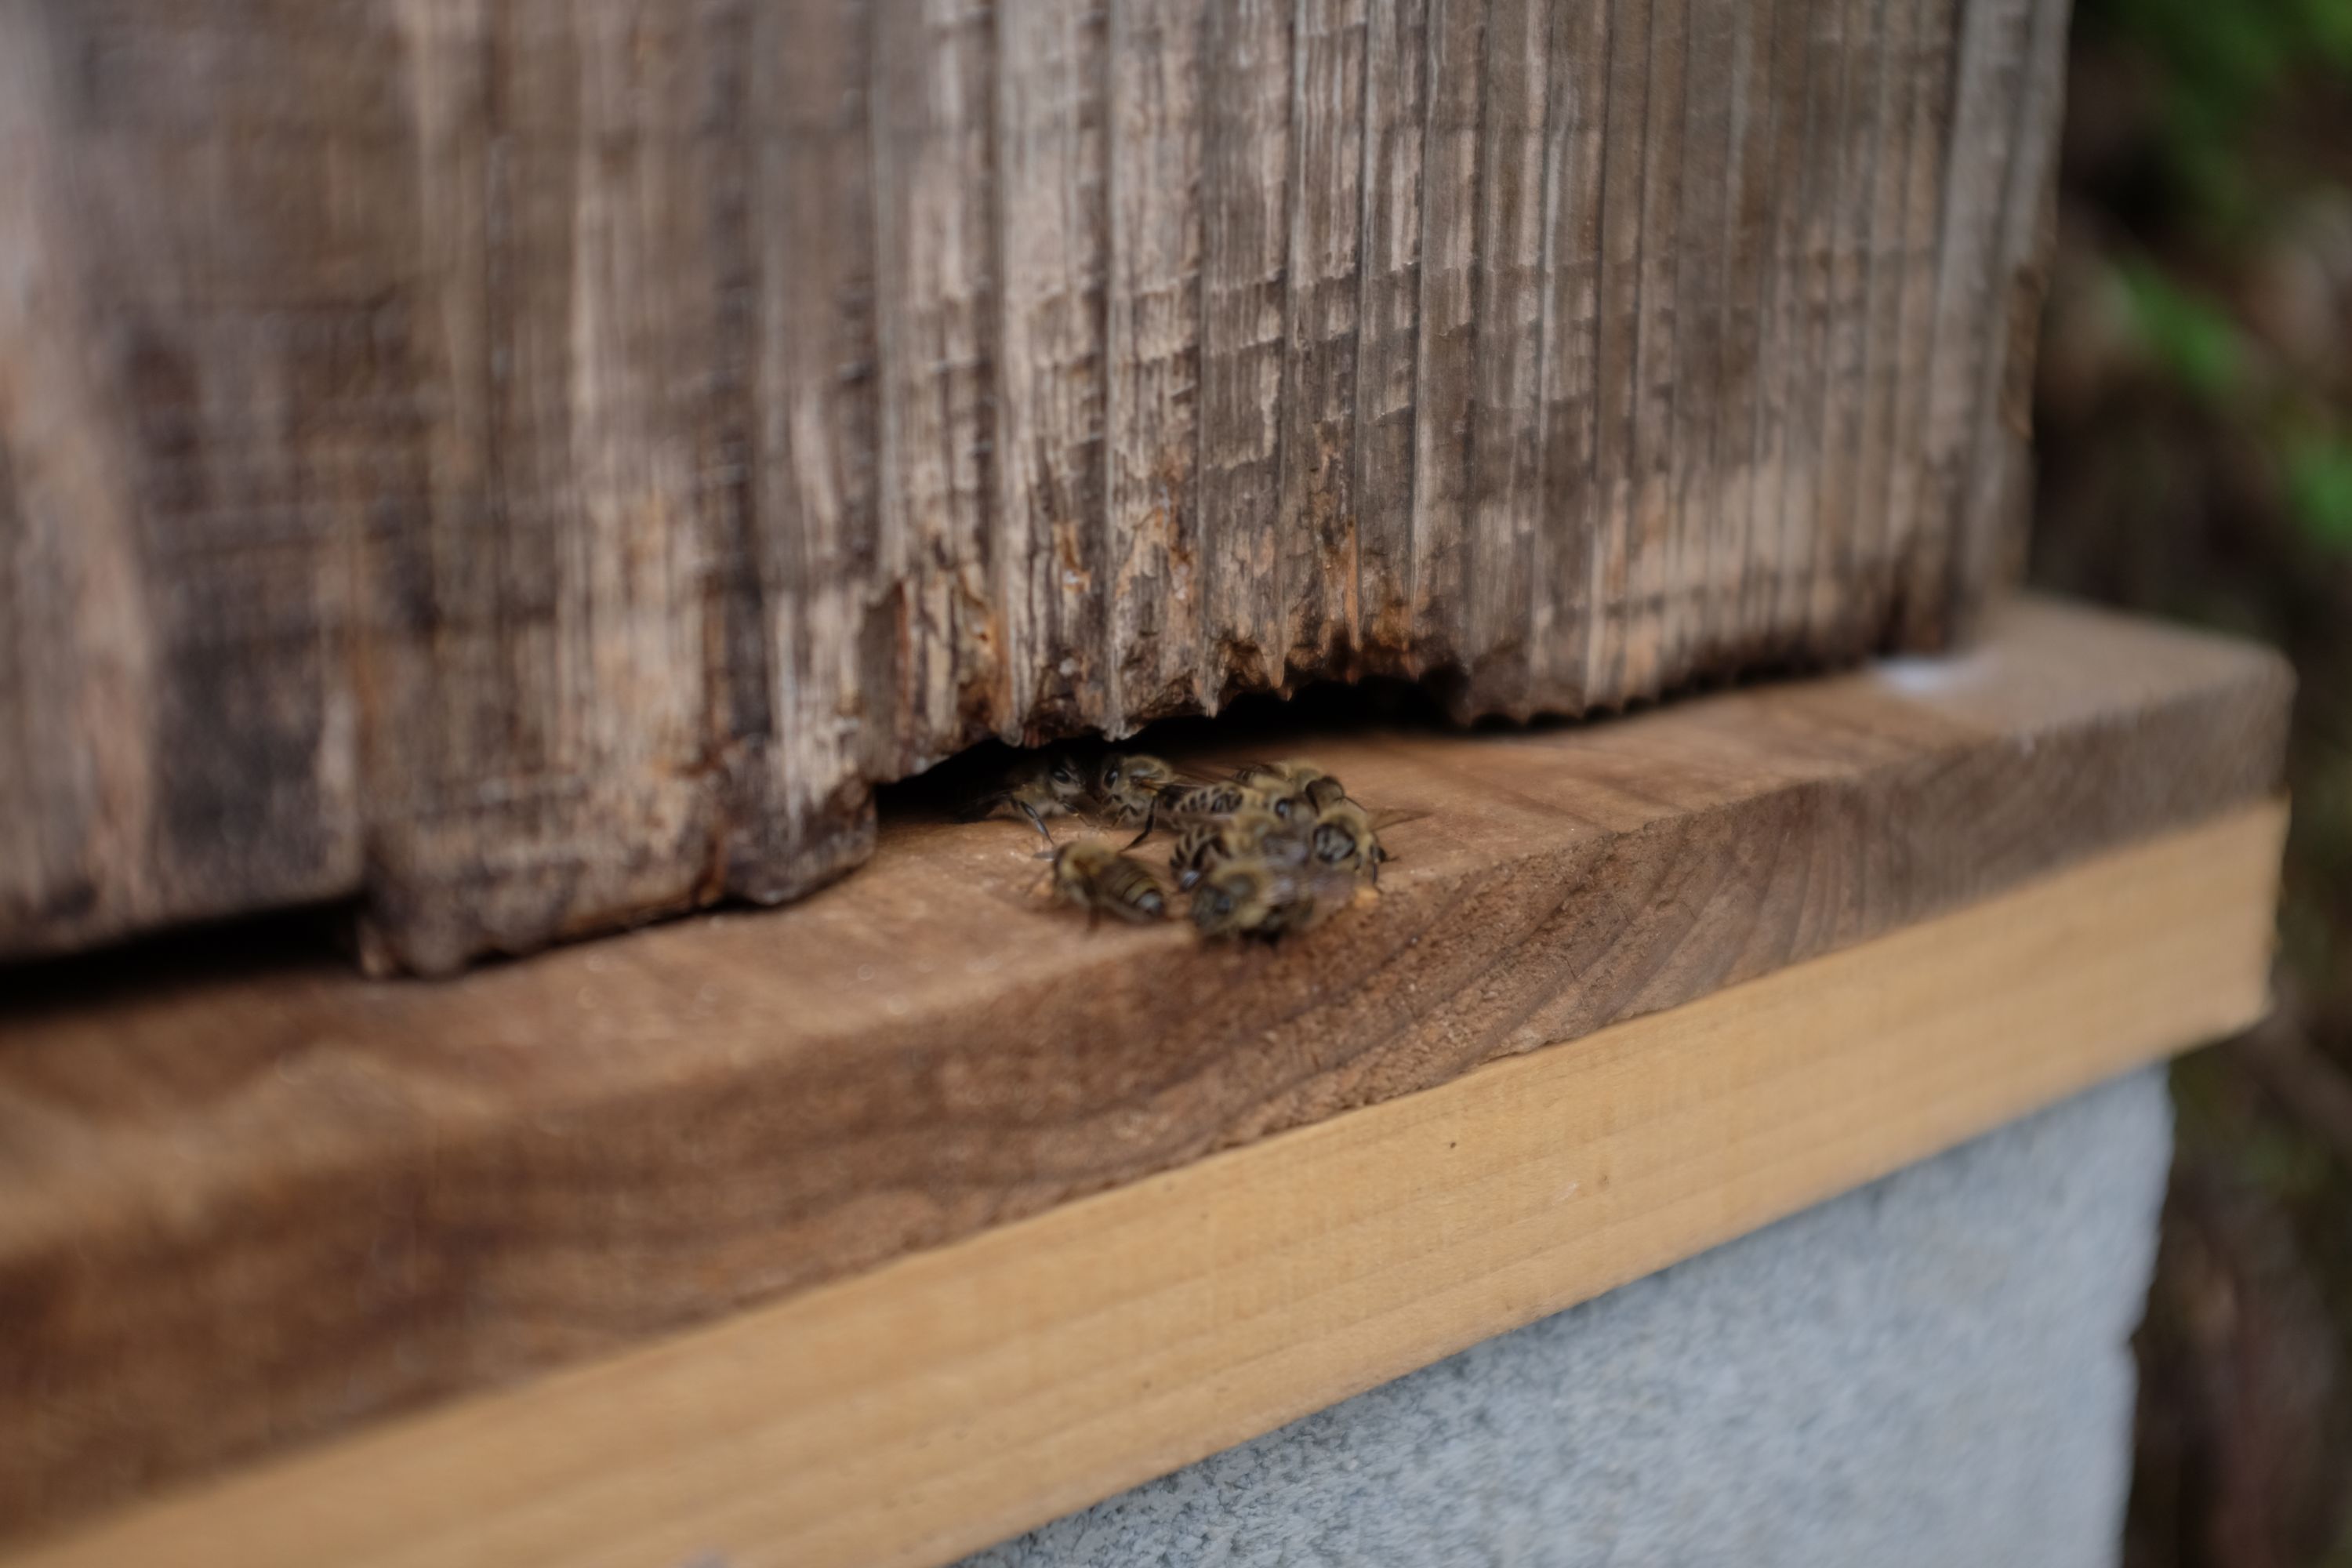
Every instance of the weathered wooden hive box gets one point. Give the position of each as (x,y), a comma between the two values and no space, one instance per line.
(532,465)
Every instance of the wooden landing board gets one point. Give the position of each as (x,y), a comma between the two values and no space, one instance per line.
(241,1212)
(953,1398)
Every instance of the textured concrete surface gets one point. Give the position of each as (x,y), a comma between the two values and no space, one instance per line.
(1930,1371)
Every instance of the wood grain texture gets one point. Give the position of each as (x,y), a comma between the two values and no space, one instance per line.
(179,732)
(901,1419)
(1154,381)
(464,1184)
(1388,344)
(533,466)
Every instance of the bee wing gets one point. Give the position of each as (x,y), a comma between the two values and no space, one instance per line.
(1193,773)
(1394,817)
(980,807)
(1256,771)
(1184,777)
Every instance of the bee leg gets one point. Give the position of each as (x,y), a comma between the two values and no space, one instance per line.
(1037,822)
(1151,821)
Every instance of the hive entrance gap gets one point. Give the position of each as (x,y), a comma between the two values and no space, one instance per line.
(1260,726)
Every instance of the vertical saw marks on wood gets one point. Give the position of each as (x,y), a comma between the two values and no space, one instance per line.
(537,466)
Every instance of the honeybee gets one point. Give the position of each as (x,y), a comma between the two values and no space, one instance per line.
(1127,786)
(1036,789)
(1251,898)
(1343,841)
(1323,791)
(1094,876)
(1209,842)
(1285,783)
(1295,779)
(1183,805)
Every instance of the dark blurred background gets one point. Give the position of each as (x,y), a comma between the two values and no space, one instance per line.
(2195,409)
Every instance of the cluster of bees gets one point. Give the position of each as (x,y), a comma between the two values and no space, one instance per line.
(1271,849)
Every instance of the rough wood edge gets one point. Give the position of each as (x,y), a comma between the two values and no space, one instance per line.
(956,1397)
(534,472)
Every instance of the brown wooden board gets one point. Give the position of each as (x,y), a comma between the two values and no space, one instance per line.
(901,1417)
(240,1211)
(530,467)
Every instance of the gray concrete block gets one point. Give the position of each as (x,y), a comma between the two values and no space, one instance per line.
(1933,1370)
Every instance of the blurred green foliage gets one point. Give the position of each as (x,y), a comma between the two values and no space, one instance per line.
(2196,460)
(2225,65)
(2243,123)
(2321,470)
(2190,336)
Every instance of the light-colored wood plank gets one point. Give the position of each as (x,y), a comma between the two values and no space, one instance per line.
(962,1395)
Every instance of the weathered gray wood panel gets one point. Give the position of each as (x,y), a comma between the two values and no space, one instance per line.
(535,466)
